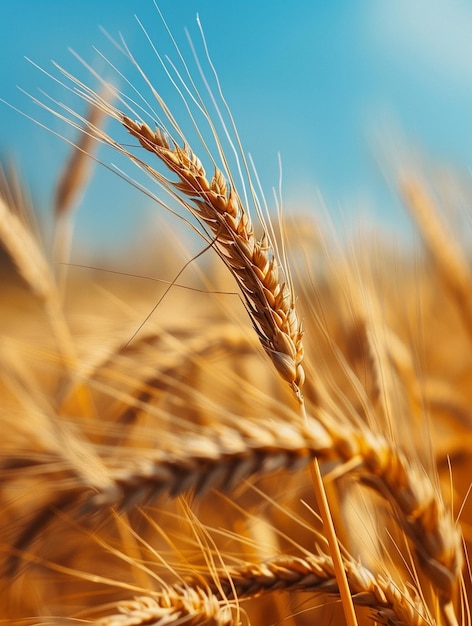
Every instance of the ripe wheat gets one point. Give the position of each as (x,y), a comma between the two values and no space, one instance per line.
(106,438)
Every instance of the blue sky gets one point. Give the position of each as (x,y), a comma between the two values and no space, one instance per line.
(315,81)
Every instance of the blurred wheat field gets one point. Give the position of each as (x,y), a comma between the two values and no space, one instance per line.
(169,475)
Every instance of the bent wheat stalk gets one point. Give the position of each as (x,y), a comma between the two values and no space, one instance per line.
(422,513)
(32,264)
(25,253)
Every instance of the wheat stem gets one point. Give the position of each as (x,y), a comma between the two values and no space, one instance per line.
(331,536)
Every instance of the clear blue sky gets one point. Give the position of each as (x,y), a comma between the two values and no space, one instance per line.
(311,79)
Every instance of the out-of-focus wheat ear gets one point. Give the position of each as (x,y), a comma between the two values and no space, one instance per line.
(398,394)
(263,282)
(25,253)
(221,457)
(389,602)
(60,485)
(451,265)
(71,184)
(175,605)
(421,511)
(179,351)
(217,457)
(32,265)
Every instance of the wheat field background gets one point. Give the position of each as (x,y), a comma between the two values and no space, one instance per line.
(284,440)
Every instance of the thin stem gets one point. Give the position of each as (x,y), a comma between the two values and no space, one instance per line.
(330,531)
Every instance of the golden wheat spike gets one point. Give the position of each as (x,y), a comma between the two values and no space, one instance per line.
(269,300)
(179,605)
(451,264)
(390,603)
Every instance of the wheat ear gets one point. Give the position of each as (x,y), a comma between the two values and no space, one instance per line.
(223,456)
(390,603)
(219,457)
(76,172)
(33,266)
(452,267)
(71,184)
(268,299)
(25,253)
(175,605)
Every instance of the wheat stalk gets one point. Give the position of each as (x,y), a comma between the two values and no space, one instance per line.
(35,269)
(424,517)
